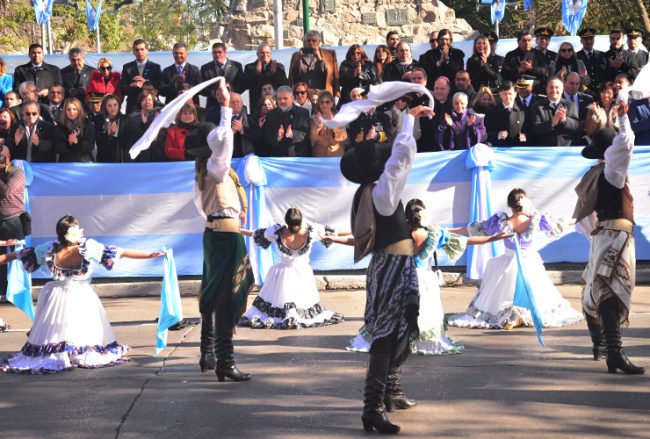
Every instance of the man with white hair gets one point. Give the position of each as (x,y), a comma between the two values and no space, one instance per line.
(265,70)
(287,127)
(315,66)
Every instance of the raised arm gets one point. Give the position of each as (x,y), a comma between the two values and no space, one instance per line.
(617,156)
(220,140)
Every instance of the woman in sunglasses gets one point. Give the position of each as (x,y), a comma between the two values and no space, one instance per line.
(566,62)
(105,80)
(326,142)
(356,71)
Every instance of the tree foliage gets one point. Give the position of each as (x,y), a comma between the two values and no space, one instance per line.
(161,22)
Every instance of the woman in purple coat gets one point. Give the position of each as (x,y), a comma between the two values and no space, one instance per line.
(460,129)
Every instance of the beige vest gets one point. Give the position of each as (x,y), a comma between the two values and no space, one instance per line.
(216,196)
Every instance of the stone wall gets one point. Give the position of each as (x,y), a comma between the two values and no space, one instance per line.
(341,22)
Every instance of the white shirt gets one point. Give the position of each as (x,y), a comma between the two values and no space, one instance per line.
(617,156)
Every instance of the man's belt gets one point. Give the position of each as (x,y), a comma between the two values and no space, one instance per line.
(230,225)
(403,247)
(620,224)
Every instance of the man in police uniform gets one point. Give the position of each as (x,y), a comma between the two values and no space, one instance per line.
(618,60)
(634,37)
(593,59)
(542,39)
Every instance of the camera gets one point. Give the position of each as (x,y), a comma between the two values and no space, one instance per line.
(236,116)
(308,50)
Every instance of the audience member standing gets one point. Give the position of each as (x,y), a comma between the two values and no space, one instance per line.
(593,59)
(382,58)
(525,101)
(463,83)
(524,60)
(265,70)
(29,92)
(443,60)
(555,121)
(400,68)
(112,145)
(602,113)
(315,66)
(567,62)
(76,76)
(392,42)
(243,135)
(266,104)
(356,71)
(326,142)
(55,98)
(505,124)
(105,81)
(618,60)
(136,73)
(287,127)
(301,96)
(220,65)
(581,101)
(460,128)
(75,138)
(179,73)
(8,125)
(484,66)
(39,72)
(6,83)
(34,138)
(542,40)
(634,42)
(138,122)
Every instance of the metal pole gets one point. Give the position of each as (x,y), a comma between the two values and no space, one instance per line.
(277,21)
(305,16)
(99,43)
(496,28)
(49,35)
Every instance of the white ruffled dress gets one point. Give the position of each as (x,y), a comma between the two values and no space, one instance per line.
(70,327)
(289,298)
(433,339)
(492,305)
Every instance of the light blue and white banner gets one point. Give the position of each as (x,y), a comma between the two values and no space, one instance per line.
(149,206)
(93,15)
(43,11)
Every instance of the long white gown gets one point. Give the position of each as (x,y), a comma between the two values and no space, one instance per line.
(70,327)
(433,339)
(289,298)
(492,305)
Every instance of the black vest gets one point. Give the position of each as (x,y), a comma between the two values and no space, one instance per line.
(609,204)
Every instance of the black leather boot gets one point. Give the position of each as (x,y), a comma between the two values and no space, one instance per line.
(599,349)
(395,397)
(616,358)
(373,403)
(226,362)
(207,361)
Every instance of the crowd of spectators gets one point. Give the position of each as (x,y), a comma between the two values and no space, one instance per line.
(531,97)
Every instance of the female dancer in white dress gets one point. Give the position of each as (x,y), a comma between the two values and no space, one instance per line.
(433,339)
(492,306)
(70,326)
(289,298)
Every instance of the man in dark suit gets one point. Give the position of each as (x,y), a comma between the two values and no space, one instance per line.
(39,72)
(524,60)
(618,60)
(401,67)
(34,138)
(28,92)
(525,101)
(555,121)
(179,73)
(287,127)
(221,66)
(55,98)
(76,76)
(443,60)
(505,124)
(263,71)
(135,73)
(315,66)
(582,101)
(634,41)
(593,59)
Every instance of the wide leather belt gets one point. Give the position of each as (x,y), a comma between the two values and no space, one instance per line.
(403,247)
(230,225)
(620,224)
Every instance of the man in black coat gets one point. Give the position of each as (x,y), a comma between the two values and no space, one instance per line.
(524,60)
(572,93)
(221,66)
(28,92)
(179,73)
(76,76)
(505,124)
(400,68)
(135,73)
(55,98)
(555,121)
(618,60)
(443,60)
(34,138)
(263,71)
(39,72)
(525,101)
(593,59)
(287,128)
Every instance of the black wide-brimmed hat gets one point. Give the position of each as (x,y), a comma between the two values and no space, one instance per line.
(601,141)
(196,146)
(365,162)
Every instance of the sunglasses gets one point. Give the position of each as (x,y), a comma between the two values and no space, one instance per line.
(300,92)
(312,40)
(30,114)
(106,68)
(433,41)
(417,78)
(566,50)
(326,101)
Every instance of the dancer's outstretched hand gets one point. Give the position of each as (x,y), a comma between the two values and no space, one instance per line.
(421,110)
(154,255)
(223,95)
(500,236)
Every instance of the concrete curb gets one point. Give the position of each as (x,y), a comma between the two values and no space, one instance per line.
(324,283)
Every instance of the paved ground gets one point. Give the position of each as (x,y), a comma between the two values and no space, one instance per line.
(306,386)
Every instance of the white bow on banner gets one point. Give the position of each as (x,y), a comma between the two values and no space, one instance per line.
(573,11)
(497,11)
(42,10)
(92,15)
